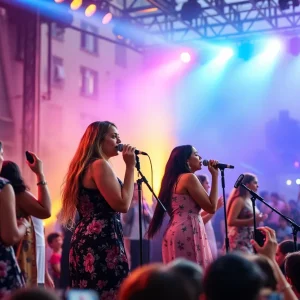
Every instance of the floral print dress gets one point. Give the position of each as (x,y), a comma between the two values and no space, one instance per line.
(185,236)
(10,273)
(239,237)
(97,256)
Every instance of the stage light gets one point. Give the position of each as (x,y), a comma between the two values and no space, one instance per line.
(298,181)
(105,13)
(289,182)
(246,50)
(76,4)
(107,18)
(296,164)
(294,46)
(185,57)
(59,1)
(273,47)
(225,54)
(283,4)
(90,10)
(190,10)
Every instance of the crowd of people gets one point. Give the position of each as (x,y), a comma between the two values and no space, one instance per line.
(183,246)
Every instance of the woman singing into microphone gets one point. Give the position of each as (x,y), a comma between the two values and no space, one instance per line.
(183,196)
(97,257)
(240,215)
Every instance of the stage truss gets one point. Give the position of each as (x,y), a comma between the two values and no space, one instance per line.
(218,20)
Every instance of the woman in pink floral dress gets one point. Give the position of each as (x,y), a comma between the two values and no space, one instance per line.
(97,256)
(183,196)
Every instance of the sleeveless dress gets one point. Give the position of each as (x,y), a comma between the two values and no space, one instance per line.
(10,273)
(240,236)
(25,252)
(185,236)
(97,256)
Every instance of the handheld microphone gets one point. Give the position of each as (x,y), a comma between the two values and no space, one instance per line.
(239,181)
(137,152)
(219,165)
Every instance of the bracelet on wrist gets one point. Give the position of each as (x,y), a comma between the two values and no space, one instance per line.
(42,182)
(284,288)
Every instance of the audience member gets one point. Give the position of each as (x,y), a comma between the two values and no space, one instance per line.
(55,243)
(154,281)
(292,271)
(232,277)
(283,249)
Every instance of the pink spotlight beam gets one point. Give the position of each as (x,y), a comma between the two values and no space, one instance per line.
(185,57)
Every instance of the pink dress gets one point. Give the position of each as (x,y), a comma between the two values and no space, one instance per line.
(185,236)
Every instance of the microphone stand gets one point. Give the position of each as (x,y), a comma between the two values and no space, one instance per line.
(225,213)
(139,183)
(253,198)
(295,226)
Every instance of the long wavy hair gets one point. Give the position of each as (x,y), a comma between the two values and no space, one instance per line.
(89,150)
(11,172)
(176,165)
(240,191)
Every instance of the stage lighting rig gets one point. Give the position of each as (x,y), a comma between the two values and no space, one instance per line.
(190,10)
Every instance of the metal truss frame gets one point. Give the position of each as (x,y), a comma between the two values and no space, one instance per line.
(218,20)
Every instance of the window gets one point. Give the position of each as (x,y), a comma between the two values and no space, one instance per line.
(58,72)
(120,56)
(89,82)
(89,42)
(57,32)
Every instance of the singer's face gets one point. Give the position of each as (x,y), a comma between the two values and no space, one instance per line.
(253,185)
(194,161)
(206,185)
(111,140)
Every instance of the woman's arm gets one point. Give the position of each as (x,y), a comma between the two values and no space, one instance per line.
(40,207)
(10,231)
(206,217)
(269,250)
(236,207)
(207,202)
(119,198)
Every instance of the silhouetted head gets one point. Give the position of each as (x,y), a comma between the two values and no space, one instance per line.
(154,282)
(233,277)
(12,172)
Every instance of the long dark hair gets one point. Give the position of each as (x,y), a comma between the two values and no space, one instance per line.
(176,165)
(240,191)
(11,172)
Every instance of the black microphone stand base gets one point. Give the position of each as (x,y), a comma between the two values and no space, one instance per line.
(139,183)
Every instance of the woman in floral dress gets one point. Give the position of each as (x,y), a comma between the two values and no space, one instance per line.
(27,206)
(11,232)
(97,257)
(183,196)
(240,215)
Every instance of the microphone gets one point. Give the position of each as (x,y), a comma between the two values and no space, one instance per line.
(239,181)
(219,165)
(137,152)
